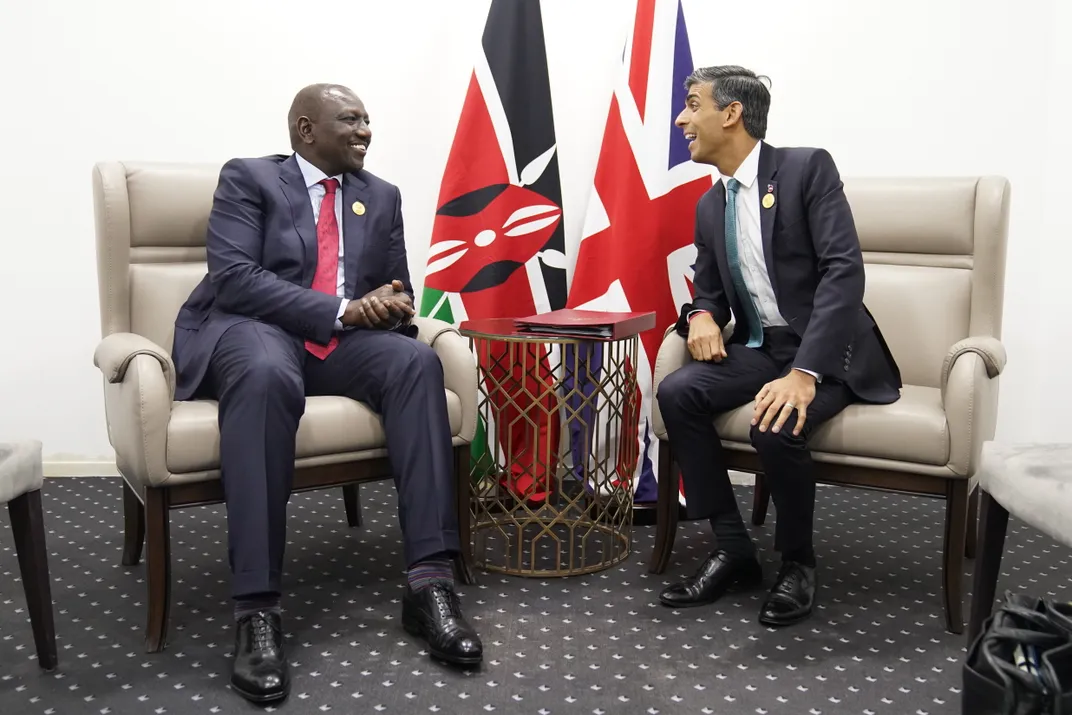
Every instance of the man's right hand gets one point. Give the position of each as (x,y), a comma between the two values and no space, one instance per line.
(381,308)
(705,339)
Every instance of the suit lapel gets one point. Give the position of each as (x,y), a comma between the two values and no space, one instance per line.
(768,170)
(297,195)
(355,198)
(718,222)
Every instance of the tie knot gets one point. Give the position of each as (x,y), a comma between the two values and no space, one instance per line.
(331,185)
(733,185)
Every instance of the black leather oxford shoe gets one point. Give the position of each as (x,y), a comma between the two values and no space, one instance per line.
(260,673)
(717,575)
(434,614)
(792,598)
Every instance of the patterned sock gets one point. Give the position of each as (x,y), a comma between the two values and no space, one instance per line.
(731,535)
(435,569)
(257,602)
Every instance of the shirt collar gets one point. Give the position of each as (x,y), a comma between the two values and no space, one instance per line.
(311,174)
(748,170)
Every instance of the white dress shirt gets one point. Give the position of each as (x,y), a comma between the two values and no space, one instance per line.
(750,243)
(313,176)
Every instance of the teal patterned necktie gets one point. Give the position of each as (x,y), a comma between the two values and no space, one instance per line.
(751,316)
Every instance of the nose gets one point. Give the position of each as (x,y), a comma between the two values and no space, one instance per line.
(681,121)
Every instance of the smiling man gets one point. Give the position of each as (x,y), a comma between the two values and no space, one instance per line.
(308,293)
(777,250)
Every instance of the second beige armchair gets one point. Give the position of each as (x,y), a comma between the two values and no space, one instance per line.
(934,251)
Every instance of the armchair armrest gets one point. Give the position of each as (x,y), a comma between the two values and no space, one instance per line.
(116,351)
(459,367)
(139,389)
(986,347)
(673,354)
(970,397)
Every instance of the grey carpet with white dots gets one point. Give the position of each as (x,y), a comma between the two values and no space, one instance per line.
(592,644)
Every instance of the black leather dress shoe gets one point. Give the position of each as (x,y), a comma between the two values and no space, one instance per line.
(717,575)
(260,673)
(792,598)
(434,614)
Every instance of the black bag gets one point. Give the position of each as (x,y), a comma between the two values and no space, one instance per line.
(1021,663)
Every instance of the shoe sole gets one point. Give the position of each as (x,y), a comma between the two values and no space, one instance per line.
(782,622)
(259,699)
(415,630)
(734,587)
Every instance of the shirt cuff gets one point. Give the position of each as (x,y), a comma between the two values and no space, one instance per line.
(338,318)
(817,376)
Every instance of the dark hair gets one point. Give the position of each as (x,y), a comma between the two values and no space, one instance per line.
(730,83)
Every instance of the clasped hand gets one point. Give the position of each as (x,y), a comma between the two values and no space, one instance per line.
(382,308)
(777,400)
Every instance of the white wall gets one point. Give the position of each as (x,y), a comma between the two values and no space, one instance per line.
(917,87)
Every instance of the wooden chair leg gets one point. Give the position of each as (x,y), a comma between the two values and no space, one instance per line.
(972,538)
(956,517)
(667,508)
(993,522)
(760,500)
(351,498)
(28,525)
(133,526)
(462,475)
(158,565)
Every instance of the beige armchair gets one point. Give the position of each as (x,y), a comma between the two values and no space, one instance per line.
(151,223)
(935,255)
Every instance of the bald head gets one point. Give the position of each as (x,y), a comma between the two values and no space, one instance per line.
(329,128)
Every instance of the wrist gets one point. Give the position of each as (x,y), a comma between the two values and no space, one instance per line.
(806,375)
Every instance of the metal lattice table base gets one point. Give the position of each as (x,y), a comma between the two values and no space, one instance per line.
(569,535)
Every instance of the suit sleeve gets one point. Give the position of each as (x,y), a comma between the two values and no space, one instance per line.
(839,295)
(235,247)
(708,294)
(397,260)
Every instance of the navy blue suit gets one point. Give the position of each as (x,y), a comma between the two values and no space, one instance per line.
(240,339)
(812,256)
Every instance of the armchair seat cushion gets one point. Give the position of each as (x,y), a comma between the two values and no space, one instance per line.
(913,429)
(20,469)
(330,426)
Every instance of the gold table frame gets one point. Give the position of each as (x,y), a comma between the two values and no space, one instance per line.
(529,399)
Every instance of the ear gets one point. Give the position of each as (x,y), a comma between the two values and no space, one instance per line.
(305,129)
(733,114)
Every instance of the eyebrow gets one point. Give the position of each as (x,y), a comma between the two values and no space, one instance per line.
(692,95)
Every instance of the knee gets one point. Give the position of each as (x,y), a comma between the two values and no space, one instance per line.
(677,395)
(771,442)
(422,362)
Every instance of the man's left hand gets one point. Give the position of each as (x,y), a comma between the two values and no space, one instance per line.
(777,400)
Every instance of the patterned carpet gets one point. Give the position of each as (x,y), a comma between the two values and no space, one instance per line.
(583,645)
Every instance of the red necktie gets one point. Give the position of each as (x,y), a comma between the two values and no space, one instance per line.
(327,258)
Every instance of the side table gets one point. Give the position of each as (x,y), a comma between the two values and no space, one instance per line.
(551,488)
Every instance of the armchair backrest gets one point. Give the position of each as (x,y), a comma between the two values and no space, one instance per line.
(151,221)
(934,250)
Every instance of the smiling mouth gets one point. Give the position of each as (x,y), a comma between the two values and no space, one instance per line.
(360,148)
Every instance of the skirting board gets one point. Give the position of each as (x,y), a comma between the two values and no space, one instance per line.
(104,468)
(79,468)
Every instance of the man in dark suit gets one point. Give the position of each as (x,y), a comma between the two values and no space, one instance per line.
(777,249)
(308,293)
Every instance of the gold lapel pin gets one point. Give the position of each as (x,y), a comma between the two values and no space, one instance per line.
(359,208)
(768,200)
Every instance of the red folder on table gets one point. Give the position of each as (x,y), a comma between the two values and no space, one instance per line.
(592,324)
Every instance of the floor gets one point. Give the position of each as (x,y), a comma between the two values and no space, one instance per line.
(582,645)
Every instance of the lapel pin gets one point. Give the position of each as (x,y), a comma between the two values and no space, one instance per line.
(770,188)
(768,200)
(359,208)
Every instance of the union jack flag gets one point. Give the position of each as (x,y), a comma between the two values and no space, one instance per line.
(636,251)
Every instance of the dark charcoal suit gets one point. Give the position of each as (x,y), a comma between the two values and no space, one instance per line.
(812,255)
(240,339)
